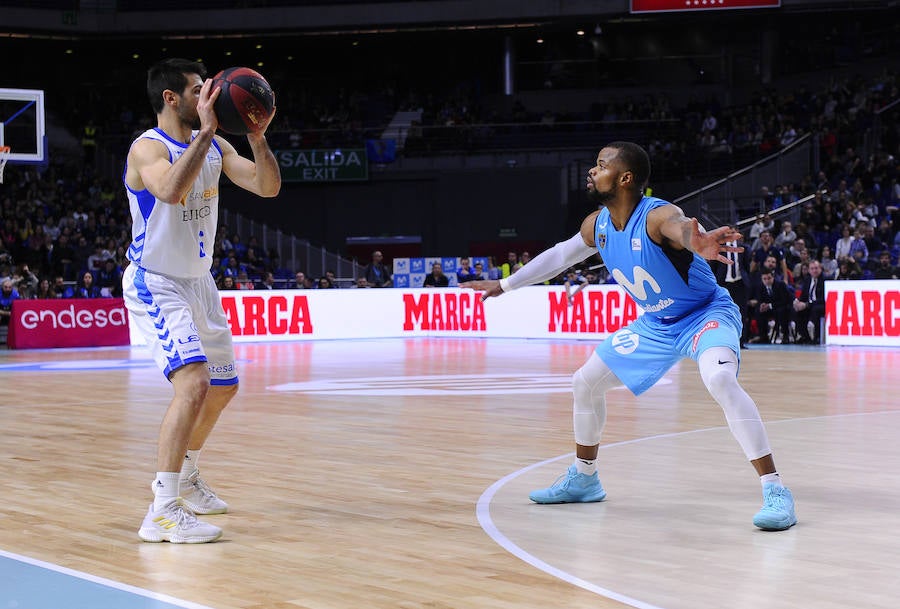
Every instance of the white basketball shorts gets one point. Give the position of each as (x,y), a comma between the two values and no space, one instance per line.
(182,322)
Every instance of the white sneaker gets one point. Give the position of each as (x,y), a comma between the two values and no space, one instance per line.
(197,495)
(176,524)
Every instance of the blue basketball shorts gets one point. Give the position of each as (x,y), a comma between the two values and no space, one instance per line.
(643,351)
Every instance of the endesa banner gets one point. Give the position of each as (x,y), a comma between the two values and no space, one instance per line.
(92,322)
(533,312)
(863,312)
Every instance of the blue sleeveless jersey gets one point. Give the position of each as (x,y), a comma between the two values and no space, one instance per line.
(666,284)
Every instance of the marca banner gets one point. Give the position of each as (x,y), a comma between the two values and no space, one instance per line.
(89,322)
(649,6)
(534,312)
(862,312)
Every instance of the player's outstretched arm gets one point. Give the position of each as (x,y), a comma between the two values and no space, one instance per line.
(544,266)
(686,233)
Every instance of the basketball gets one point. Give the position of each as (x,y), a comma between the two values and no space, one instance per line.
(246,100)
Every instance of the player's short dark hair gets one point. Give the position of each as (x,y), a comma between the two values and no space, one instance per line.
(170,74)
(635,159)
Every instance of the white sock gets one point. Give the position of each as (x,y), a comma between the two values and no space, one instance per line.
(190,463)
(586,466)
(165,488)
(773,478)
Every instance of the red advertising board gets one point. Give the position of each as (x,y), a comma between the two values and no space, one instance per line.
(90,322)
(650,6)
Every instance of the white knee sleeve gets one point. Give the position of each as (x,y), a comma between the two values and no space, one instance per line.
(589,386)
(718,369)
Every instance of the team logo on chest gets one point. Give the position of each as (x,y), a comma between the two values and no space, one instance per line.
(601,240)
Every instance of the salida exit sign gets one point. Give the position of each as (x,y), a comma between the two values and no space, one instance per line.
(650,6)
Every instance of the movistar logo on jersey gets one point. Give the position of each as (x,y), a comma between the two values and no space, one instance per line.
(638,288)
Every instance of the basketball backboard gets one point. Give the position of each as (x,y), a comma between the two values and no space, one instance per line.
(22,126)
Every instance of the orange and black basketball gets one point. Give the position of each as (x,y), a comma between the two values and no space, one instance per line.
(246,101)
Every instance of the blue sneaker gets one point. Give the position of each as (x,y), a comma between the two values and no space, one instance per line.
(777,513)
(571,487)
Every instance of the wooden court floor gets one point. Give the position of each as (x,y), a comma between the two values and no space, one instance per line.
(395,474)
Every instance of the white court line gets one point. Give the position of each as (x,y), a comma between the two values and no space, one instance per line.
(483,511)
(103,582)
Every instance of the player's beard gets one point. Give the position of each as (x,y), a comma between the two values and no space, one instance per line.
(189,117)
(601,198)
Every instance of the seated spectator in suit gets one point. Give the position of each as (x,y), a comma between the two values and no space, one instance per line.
(300,281)
(809,306)
(436,278)
(268,282)
(770,306)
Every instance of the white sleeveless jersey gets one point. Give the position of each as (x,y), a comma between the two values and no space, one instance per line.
(177,239)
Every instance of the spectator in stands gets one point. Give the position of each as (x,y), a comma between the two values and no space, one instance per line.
(786,236)
(769,307)
(61,289)
(574,283)
(858,250)
(465,272)
(301,282)
(109,279)
(809,306)
(479,271)
(884,270)
(25,280)
(8,294)
(494,272)
(63,258)
(507,268)
(436,278)
(243,282)
(842,247)
(226,282)
(96,260)
(848,269)
(763,223)
(44,290)
(268,282)
(766,249)
(376,273)
(361,282)
(829,264)
(86,287)
(325,283)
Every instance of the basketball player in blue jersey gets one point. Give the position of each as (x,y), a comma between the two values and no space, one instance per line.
(658,255)
(172,182)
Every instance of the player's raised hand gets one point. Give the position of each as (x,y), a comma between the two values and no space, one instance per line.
(711,244)
(490,287)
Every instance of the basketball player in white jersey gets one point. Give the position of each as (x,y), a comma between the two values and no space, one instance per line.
(172,181)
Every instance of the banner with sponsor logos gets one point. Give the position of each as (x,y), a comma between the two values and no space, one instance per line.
(862,312)
(88,322)
(534,312)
